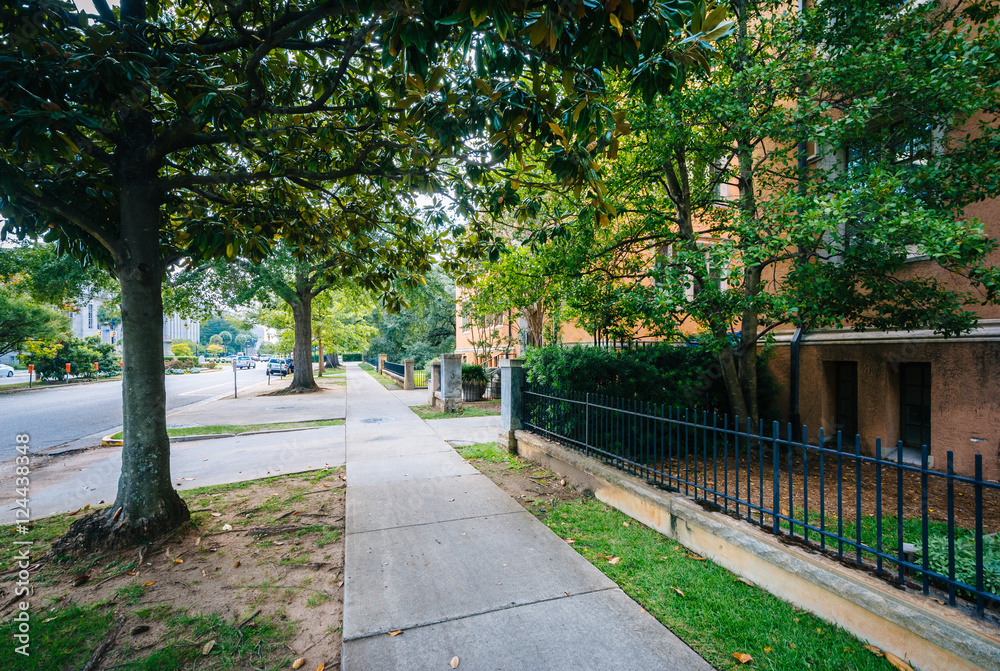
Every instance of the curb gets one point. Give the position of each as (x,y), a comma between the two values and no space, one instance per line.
(108,441)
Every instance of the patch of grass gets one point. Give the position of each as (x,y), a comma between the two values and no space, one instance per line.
(214,429)
(234,648)
(328,537)
(717,615)
(492,453)
(60,639)
(317,599)
(382,379)
(130,594)
(427,412)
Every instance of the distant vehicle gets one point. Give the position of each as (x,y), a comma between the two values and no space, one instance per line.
(245,362)
(226,359)
(6,371)
(278,367)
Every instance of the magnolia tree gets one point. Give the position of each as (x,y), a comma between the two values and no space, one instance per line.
(139,138)
(829,150)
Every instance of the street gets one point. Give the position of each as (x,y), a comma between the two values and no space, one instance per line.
(18,376)
(79,415)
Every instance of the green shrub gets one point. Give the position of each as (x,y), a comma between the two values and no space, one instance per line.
(474,373)
(351,356)
(673,375)
(50,361)
(965,560)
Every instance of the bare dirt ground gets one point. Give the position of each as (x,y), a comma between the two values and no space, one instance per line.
(258,570)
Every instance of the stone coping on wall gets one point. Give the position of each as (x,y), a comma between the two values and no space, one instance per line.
(911,626)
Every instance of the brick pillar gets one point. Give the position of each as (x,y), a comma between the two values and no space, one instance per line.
(382,358)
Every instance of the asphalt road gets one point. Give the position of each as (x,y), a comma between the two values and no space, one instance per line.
(78,415)
(18,376)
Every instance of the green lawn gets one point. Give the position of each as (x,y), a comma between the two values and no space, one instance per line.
(382,379)
(715,612)
(243,428)
(427,412)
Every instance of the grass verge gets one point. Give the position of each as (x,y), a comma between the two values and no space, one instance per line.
(243,428)
(238,587)
(714,611)
(486,410)
(382,379)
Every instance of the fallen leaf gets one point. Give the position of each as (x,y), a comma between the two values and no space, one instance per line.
(321,666)
(80,579)
(767,649)
(791,645)
(450,500)
(569,540)
(897,662)
(216,514)
(208,647)
(130,572)
(745,581)
(695,557)
(188,479)
(141,629)
(742,657)
(677,590)
(227,527)
(236,564)
(325,485)
(562,483)
(87,507)
(454,662)
(178,561)
(396,633)
(147,584)
(100,502)
(197,541)
(298,662)
(624,524)
(614,560)
(75,512)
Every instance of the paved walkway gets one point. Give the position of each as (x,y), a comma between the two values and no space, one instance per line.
(437,551)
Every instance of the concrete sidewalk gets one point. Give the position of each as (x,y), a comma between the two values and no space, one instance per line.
(437,551)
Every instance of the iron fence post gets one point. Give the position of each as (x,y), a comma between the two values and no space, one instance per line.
(776,485)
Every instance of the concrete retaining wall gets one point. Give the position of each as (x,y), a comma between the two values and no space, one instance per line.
(913,627)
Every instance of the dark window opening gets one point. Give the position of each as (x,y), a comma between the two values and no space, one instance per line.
(915,404)
(846,399)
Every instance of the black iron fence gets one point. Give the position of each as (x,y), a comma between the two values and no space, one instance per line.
(397,368)
(372,362)
(928,529)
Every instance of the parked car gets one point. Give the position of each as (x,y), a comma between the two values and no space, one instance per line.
(6,371)
(226,360)
(277,367)
(245,362)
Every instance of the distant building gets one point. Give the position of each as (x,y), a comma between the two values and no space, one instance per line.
(176,327)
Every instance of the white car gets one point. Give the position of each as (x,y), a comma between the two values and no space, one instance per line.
(6,371)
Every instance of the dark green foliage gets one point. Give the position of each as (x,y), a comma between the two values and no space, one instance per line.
(351,356)
(474,373)
(23,321)
(80,354)
(421,330)
(965,559)
(667,374)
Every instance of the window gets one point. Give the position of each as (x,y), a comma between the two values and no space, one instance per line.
(90,316)
(915,404)
(902,148)
(846,399)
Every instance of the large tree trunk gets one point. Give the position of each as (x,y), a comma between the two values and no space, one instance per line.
(302,379)
(146,505)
